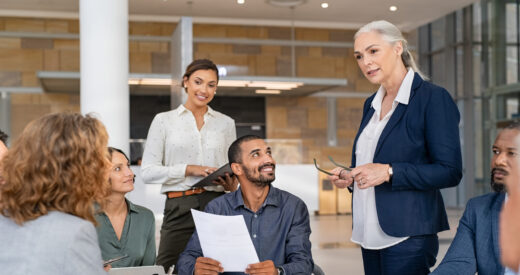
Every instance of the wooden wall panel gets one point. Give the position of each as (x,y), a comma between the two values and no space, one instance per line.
(10,43)
(24,24)
(21,60)
(56,26)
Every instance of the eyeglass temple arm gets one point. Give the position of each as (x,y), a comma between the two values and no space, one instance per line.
(321,170)
(339,165)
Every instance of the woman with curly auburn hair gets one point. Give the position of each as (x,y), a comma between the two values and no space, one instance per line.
(53,174)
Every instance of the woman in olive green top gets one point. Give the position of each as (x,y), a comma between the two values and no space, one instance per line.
(123,227)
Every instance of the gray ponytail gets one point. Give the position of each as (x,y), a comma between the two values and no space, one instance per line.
(392,34)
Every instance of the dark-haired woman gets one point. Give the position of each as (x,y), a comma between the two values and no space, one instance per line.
(125,228)
(183,146)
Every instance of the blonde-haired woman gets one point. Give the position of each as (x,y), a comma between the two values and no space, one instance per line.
(407,149)
(53,174)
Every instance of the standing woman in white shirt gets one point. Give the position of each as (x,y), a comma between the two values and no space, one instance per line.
(183,146)
(407,149)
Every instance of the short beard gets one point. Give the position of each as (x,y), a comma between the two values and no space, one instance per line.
(261,181)
(496,186)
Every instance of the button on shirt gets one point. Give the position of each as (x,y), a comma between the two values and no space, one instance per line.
(174,142)
(279,230)
(367,231)
(137,239)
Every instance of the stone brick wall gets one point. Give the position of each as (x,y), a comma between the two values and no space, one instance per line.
(305,119)
(302,118)
(21,58)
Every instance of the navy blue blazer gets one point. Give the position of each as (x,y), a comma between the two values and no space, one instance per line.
(475,247)
(421,142)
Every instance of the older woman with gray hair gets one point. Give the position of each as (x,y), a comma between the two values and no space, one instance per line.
(407,149)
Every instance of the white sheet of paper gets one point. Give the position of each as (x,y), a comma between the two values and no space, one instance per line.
(225,239)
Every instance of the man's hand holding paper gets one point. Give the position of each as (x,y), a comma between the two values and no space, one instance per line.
(205,265)
(224,240)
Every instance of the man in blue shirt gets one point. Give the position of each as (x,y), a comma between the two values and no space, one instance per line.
(278,222)
(476,246)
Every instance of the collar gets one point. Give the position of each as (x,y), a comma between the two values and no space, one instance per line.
(211,112)
(131,207)
(181,110)
(403,94)
(273,198)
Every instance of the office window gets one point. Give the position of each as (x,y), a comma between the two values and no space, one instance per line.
(437,74)
(459,34)
(511,64)
(477,22)
(477,70)
(459,52)
(438,34)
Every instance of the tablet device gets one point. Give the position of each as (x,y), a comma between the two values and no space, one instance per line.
(137,270)
(221,172)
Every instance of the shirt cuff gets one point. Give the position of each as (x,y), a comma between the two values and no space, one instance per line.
(177,171)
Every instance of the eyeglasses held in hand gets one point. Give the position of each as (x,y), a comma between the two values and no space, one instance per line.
(335,163)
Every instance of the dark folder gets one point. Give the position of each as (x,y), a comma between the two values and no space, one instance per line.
(221,172)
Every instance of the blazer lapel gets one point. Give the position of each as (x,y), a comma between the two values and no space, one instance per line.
(394,120)
(398,114)
(497,206)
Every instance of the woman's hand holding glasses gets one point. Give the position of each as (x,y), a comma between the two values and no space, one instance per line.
(341,177)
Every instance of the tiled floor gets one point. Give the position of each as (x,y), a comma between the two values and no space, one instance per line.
(336,255)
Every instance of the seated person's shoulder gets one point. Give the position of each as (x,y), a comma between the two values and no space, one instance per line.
(60,229)
(484,200)
(290,200)
(482,206)
(220,204)
(51,222)
(65,221)
(145,212)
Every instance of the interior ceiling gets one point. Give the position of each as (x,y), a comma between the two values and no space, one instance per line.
(340,14)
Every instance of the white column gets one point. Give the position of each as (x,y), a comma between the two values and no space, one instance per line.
(181,51)
(5,112)
(104,66)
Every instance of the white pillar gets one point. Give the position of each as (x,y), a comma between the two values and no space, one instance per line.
(181,51)
(5,112)
(104,66)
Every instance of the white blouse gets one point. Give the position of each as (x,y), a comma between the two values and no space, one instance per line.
(366,230)
(174,142)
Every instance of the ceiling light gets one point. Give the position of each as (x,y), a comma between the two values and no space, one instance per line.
(324,5)
(240,2)
(268,92)
(150,81)
(393,8)
(274,85)
(286,3)
(268,85)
